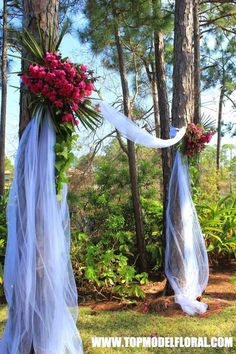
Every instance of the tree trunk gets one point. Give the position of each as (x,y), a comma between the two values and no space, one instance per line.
(219,129)
(3,99)
(156,107)
(45,13)
(152,78)
(197,68)
(182,104)
(132,160)
(164,118)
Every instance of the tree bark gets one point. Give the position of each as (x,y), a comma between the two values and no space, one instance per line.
(163,111)
(164,118)
(219,129)
(182,104)
(45,13)
(152,78)
(142,261)
(3,99)
(197,68)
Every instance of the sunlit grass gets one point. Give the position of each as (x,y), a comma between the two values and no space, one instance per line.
(130,323)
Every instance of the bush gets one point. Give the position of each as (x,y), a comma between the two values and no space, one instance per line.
(104,267)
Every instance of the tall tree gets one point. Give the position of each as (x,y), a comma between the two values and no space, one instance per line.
(220,71)
(107,36)
(197,68)
(3,98)
(182,104)
(132,159)
(163,105)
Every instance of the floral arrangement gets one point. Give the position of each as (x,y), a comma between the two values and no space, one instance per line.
(196,139)
(58,86)
(61,84)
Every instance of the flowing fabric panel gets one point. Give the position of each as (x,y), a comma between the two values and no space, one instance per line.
(132,131)
(186,261)
(38,277)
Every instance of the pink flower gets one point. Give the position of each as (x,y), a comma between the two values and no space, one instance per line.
(25,79)
(82,84)
(90,86)
(68,117)
(74,106)
(58,103)
(83,67)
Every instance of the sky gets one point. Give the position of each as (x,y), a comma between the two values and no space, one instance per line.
(109,85)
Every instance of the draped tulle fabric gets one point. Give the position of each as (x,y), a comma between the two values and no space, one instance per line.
(128,129)
(38,278)
(186,261)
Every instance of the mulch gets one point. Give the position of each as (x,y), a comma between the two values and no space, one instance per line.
(220,293)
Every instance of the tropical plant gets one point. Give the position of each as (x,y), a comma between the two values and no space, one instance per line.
(218,223)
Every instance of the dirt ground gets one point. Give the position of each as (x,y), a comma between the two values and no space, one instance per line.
(220,293)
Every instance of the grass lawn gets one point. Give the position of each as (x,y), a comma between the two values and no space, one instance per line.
(131,323)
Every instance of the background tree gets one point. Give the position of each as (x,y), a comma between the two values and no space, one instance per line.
(220,71)
(107,36)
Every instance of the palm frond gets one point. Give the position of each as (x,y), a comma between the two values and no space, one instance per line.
(208,122)
(88,117)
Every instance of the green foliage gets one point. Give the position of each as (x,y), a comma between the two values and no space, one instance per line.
(64,157)
(219,228)
(106,267)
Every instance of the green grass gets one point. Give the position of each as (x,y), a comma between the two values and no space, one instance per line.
(130,323)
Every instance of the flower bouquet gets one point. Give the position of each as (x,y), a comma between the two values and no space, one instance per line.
(58,86)
(196,138)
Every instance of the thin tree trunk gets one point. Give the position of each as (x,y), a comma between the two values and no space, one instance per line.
(3,99)
(164,118)
(197,69)
(219,129)
(132,160)
(152,78)
(156,107)
(164,124)
(182,104)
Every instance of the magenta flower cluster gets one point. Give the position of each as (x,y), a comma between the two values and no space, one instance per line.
(196,139)
(63,84)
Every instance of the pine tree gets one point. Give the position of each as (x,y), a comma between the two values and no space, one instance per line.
(106,36)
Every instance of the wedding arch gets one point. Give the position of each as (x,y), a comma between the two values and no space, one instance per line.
(38,277)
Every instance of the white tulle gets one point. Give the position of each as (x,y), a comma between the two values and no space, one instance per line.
(186,261)
(128,129)
(38,278)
